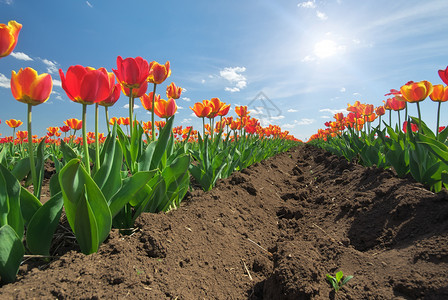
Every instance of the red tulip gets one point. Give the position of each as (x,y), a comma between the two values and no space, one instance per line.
(414,127)
(165,109)
(444,75)
(158,73)
(131,72)
(136,92)
(113,98)
(201,110)
(241,111)
(74,124)
(29,87)
(9,35)
(86,85)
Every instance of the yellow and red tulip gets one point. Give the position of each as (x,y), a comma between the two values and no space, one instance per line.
(416,91)
(241,111)
(29,87)
(146,100)
(201,110)
(165,109)
(439,93)
(158,73)
(73,123)
(173,91)
(13,123)
(9,35)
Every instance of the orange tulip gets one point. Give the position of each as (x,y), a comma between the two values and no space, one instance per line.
(158,73)
(416,91)
(339,117)
(172,91)
(13,123)
(9,35)
(395,104)
(131,72)
(87,85)
(201,110)
(165,109)
(29,87)
(52,131)
(146,100)
(439,93)
(224,110)
(73,123)
(355,108)
(113,120)
(241,111)
(21,135)
(123,121)
(380,110)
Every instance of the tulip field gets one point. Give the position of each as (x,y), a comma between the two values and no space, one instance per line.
(229,210)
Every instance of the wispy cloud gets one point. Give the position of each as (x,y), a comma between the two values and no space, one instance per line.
(57,95)
(234,76)
(307,4)
(186,121)
(57,82)
(52,66)
(186,99)
(301,122)
(8,2)
(292,110)
(127,106)
(4,81)
(342,90)
(21,56)
(89,4)
(321,16)
(333,111)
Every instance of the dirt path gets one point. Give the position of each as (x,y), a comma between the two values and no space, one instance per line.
(272,231)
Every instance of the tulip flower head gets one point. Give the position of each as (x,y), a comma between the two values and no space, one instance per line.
(87,85)
(241,111)
(73,123)
(131,72)
(443,74)
(13,123)
(9,35)
(165,109)
(201,110)
(439,93)
(113,98)
(146,100)
(158,73)
(173,91)
(416,91)
(29,87)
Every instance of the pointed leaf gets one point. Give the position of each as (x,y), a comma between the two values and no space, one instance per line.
(29,204)
(11,253)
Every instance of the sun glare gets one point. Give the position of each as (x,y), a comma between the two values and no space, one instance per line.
(327,48)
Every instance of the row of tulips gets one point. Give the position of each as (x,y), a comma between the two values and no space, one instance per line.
(108,181)
(409,148)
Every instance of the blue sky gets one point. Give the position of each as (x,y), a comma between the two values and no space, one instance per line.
(294,62)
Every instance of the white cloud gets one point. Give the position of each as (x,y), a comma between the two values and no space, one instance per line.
(179,107)
(89,4)
(278,118)
(8,2)
(307,4)
(327,48)
(234,76)
(308,58)
(203,81)
(305,122)
(322,16)
(52,66)
(333,111)
(57,82)
(186,99)
(21,56)
(342,90)
(356,94)
(325,117)
(57,95)
(4,81)
(187,120)
(127,106)
(292,110)
(184,90)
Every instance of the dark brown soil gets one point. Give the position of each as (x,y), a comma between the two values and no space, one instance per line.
(272,231)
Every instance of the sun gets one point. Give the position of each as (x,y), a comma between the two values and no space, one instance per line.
(327,48)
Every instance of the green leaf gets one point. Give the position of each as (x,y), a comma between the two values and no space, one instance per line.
(22,168)
(131,186)
(144,162)
(339,276)
(108,177)
(67,152)
(43,225)
(78,187)
(346,279)
(10,212)
(86,228)
(40,161)
(29,204)
(162,143)
(11,253)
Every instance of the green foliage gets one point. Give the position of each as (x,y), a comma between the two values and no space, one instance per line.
(337,282)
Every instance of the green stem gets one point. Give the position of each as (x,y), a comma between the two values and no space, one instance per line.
(84,139)
(97,144)
(107,118)
(379,123)
(399,120)
(390,118)
(153,133)
(131,110)
(419,118)
(438,119)
(203,127)
(31,153)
